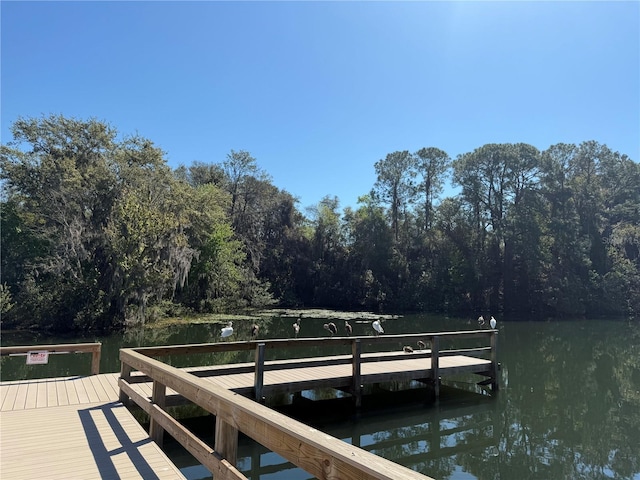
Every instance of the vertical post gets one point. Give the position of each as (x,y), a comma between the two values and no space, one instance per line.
(226,441)
(258,376)
(156,432)
(95,359)
(495,384)
(356,362)
(125,374)
(435,364)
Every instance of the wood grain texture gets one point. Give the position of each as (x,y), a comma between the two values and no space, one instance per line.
(88,441)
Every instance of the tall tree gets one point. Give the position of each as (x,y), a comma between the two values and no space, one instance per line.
(496,179)
(328,253)
(567,264)
(394,184)
(150,255)
(370,249)
(432,165)
(60,175)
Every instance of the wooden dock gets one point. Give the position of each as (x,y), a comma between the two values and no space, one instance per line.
(78,427)
(75,428)
(290,376)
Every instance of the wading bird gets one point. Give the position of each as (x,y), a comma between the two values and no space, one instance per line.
(331,327)
(296,327)
(348,328)
(492,322)
(377,327)
(227,331)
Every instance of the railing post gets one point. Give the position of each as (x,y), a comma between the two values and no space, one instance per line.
(258,376)
(226,441)
(156,432)
(95,359)
(435,364)
(356,352)
(125,374)
(495,384)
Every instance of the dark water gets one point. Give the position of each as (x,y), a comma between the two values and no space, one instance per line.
(568,408)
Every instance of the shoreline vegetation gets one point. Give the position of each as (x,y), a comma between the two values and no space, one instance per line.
(316,313)
(98,232)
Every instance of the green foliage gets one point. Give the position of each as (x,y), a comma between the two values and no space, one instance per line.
(98,232)
(5,299)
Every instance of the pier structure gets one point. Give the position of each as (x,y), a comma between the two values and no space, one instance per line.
(108,442)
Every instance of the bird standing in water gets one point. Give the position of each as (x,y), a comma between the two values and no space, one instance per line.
(377,327)
(296,327)
(331,327)
(492,322)
(227,331)
(348,328)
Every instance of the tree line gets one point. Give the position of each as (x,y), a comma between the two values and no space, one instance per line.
(98,231)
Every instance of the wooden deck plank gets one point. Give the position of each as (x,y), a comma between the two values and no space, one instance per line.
(9,397)
(21,396)
(3,396)
(103,396)
(72,392)
(90,389)
(61,389)
(81,391)
(42,395)
(32,396)
(52,394)
(89,441)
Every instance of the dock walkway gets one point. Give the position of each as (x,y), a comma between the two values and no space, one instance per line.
(75,428)
(289,376)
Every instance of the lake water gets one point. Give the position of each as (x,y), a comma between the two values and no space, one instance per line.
(568,407)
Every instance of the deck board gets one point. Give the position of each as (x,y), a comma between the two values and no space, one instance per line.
(88,441)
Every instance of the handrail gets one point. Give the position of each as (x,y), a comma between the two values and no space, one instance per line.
(198,348)
(319,454)
(356,358)
(93,348)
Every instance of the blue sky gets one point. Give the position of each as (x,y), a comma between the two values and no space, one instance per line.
(318,92)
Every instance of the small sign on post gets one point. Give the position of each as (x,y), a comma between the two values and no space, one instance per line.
(38,358)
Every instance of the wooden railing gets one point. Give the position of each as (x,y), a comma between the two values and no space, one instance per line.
(319,454)
(93,348)
(356,357)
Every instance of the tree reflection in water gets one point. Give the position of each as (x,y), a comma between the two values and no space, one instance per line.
(569,404)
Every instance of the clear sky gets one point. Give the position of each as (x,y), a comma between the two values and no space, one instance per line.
(318,92)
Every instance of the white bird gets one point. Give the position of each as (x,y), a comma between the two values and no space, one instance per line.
(331,327)
(296,328)
(227,331)
(377,327)
(492,322)
(348,328)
